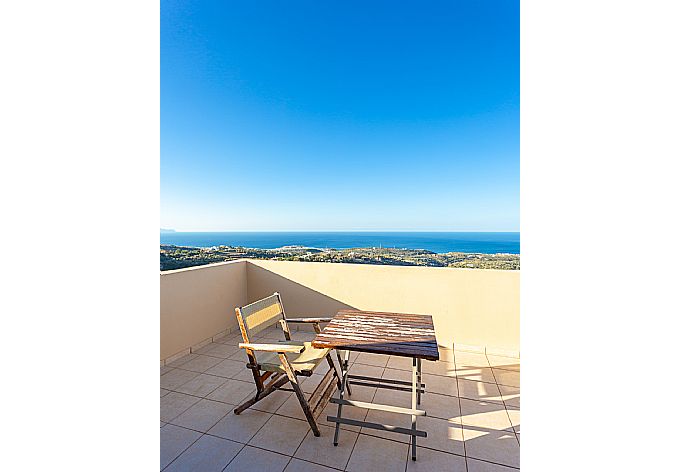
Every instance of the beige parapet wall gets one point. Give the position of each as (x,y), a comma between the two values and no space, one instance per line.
(471,307)
(198,303)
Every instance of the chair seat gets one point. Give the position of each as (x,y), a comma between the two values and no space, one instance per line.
(303,363)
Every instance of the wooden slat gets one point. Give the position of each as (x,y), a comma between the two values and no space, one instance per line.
(401,334)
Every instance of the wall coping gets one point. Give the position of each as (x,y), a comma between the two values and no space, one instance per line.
(214,264)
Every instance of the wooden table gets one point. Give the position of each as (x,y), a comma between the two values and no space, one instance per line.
(395,334)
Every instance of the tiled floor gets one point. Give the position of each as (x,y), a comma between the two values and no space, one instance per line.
(473,417)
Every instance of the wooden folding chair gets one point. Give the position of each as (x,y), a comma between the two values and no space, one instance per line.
(280,362)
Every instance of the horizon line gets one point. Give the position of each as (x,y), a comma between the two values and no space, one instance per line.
(168,230)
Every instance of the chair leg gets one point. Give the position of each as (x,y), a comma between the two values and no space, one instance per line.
(300,394)
(305,407)
(270,388)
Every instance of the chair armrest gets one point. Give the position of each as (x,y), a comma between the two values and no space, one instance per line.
(309,320)
(292,348)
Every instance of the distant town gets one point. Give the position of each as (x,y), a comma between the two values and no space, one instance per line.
(179,257)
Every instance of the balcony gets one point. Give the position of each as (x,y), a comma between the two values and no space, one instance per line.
(473,392)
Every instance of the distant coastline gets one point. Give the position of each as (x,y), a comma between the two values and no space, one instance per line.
(179,257)
(437,242)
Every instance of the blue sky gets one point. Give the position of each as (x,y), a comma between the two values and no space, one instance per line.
(340,115)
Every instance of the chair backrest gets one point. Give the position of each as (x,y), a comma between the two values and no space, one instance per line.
(261,314)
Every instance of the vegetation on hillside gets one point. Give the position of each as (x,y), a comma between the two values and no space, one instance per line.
(178,257)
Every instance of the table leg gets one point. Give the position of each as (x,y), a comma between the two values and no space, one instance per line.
(415,397)
(340,362)
(419,381)
(342,394)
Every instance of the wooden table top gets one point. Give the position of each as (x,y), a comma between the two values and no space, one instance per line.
(398,334)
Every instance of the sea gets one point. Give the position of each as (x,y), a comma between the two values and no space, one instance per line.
(486,243)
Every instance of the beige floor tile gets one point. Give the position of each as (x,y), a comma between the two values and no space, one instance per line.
(490,445)
(514,415)
(366,370)
(252,459)
(393,397)
(201,363)
(164,392)
(353,356)
(165,369)
(201,385)
(484,374)
(435,405)
(434,383)
(323,367)
(484,414)
(227,368)
(321,450)
(375,454)
(205,348)
(506,363)
(484,391)
(272,402)
(470,360)
(436,368)
(509,378)
(297,465)
(182,360)
(378,360)
(461,372)
(243,374)
(281,434)
(391,419)
(174,404)
(347,412)
(397,374)
(364,394)
(440,406)
(435,461)
(442,435)
(219,350)
(174,440)
(402,363)
(175,378)
(309,384)
(510,395)
(240,427)
(292,408)
(440,384)
(232,391)
(513,401)
(360,392)
(240,355)
(233,339)
(208,454)
(202,415)
(475,465)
